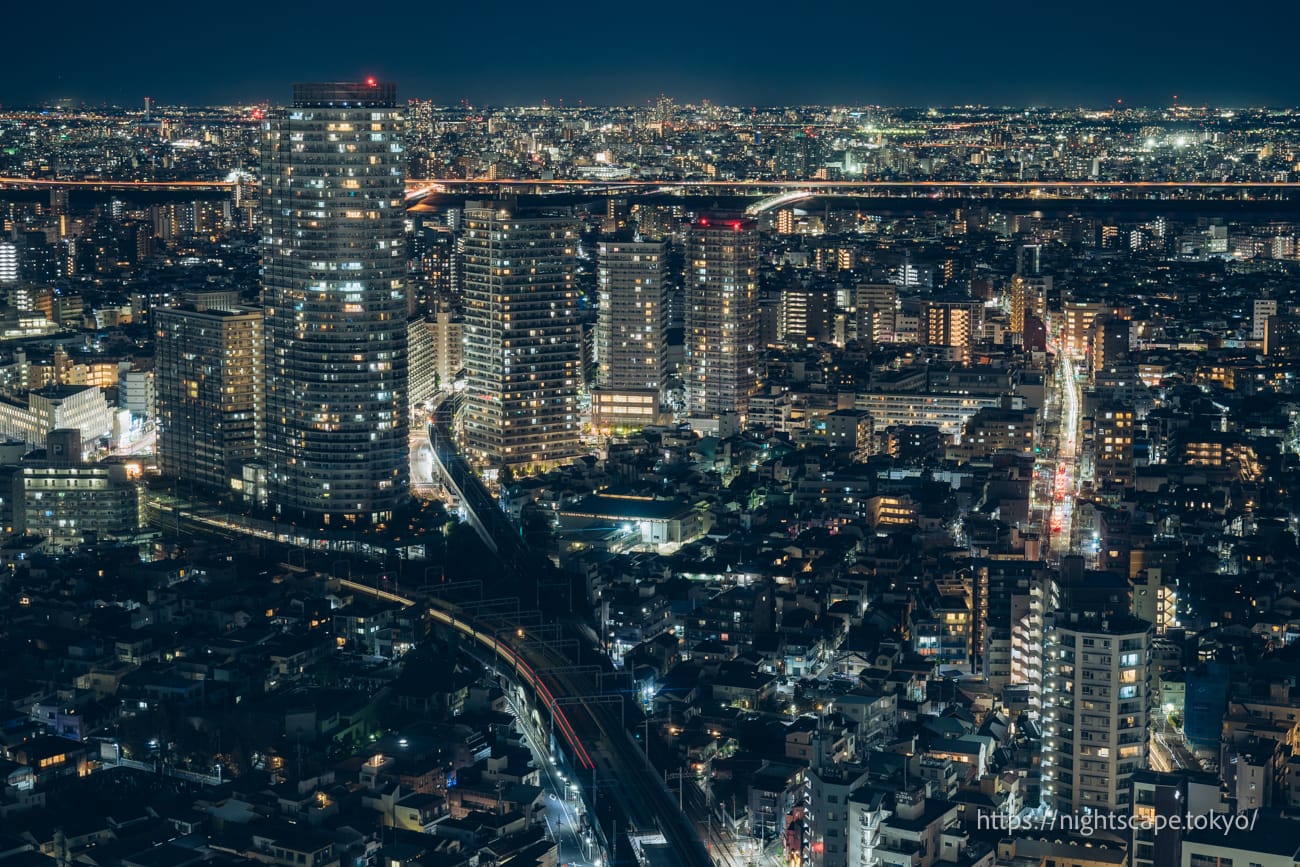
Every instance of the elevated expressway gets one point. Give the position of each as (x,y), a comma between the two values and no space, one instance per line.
(418,188)
(586,722)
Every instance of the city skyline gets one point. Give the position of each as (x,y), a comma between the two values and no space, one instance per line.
(950,54)
(396,486)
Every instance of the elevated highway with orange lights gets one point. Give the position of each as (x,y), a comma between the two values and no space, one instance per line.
(767,187)
(418,188)
(111,185)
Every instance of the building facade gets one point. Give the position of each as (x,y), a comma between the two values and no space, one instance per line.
(948,328)
(876,305)
(1113,444)
(334,270)
(721,315)
(522,352)
(1157,797)
(946,412)
(1261,310)
(1028,300)
(632,326)
(138,392)
(9,270)
(68,503)
(1095,732)
(422,361)
(208,368)
(56,406)
(631,333)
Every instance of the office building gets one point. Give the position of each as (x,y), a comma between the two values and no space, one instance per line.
(1029,259)
(334,269)
(1205,700)
(721,315)
(31,418)
(208,376)
(1097,669)
(522,351)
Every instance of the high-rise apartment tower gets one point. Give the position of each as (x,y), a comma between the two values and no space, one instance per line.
(721,315)
(208,375)
(631,332)
(522,350)
(1096,670)
(334,266)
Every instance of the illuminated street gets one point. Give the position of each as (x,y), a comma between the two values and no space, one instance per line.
(563,806)
(1064,469)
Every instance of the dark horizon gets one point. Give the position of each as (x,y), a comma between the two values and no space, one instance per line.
(951,54)
(404,98)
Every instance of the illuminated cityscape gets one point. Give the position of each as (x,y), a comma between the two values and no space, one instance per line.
(396,482)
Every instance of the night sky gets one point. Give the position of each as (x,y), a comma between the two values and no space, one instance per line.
(891,52)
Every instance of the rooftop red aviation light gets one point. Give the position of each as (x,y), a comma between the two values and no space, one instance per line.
(371,81)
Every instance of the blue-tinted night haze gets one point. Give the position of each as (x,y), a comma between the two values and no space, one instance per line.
(742,53)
